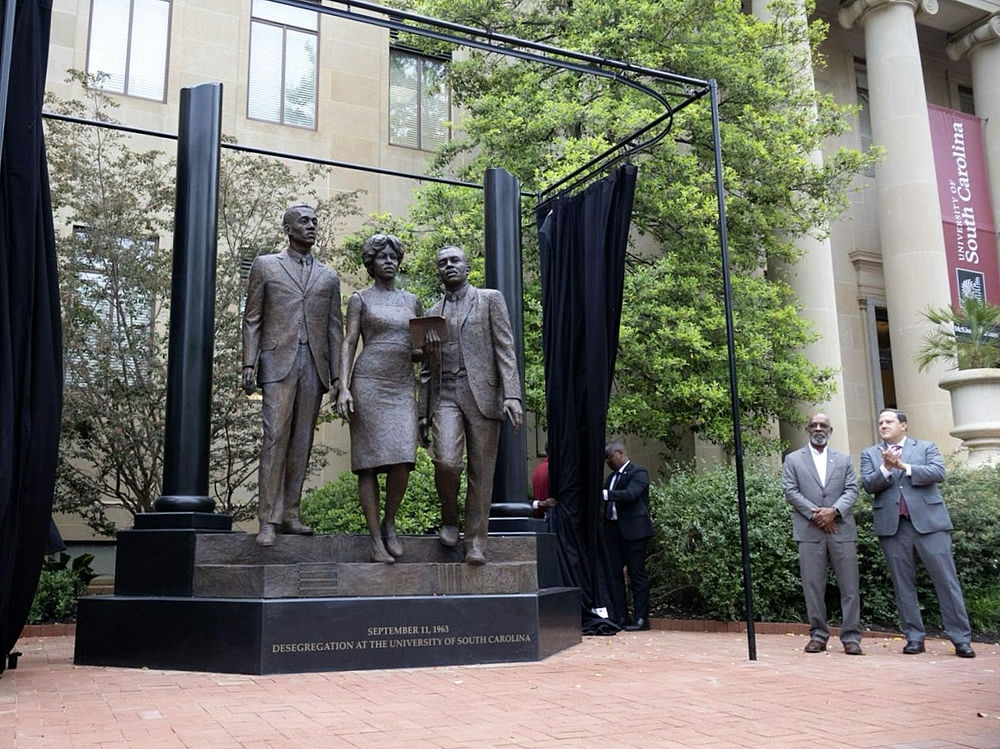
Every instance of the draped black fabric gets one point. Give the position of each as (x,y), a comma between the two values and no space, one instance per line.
(582,240)
(30,330)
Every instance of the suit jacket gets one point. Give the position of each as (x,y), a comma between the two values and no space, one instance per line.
(488,352)
(803,491)
(928,512)
(540,485)
(631,498)
(277,304)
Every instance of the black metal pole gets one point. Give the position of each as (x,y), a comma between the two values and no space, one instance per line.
(741,492)
(192,304)
(502,232)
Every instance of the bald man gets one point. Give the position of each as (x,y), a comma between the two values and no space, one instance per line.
(821,486)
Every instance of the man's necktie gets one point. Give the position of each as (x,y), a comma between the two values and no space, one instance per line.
(612,510)
(904,509)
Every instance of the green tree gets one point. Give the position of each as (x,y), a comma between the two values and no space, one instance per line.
(115,282)
(540,124)
(114,203)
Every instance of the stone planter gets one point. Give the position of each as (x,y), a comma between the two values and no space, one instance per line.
(975,408)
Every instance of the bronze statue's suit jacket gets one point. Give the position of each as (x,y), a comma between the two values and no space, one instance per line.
(277,304)
(800,484)
(488,351)
(928,512)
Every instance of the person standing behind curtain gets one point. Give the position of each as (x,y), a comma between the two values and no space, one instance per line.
(540,499)
(911,520)
(378,398)
(821,486)
(627,528)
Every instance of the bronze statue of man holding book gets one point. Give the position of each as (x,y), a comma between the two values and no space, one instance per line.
(469,383)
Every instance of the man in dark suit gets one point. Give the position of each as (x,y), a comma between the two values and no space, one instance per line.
(469,383)
(291,347)
(820,484)
(627,527)
(910,519)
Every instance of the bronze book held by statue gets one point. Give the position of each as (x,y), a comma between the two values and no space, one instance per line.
(420,325)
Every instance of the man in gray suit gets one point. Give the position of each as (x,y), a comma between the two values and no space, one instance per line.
(911,520)
(469,383)
(820,484)
(291,347)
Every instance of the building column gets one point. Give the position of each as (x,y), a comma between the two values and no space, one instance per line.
(911,236)
(812,280)
(981,44)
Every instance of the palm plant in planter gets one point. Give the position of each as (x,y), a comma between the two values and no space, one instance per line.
(967,339)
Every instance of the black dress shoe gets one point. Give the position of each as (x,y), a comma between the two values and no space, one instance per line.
(964,650)
(913,647)
(853,648)
(638,625)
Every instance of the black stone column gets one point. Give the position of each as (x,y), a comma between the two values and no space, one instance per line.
(192,305)
(503,272)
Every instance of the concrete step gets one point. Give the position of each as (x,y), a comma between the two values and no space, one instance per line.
(355,579)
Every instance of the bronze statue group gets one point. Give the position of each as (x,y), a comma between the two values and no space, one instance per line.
(296,348)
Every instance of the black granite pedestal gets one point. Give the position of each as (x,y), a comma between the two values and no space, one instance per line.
(214,601)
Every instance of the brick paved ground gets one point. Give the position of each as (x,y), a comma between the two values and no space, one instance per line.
(663,688)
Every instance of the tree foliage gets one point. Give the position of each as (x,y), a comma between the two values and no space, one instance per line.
(115,204)
(541,124)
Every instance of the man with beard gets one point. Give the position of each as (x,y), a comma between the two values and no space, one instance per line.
(821,486)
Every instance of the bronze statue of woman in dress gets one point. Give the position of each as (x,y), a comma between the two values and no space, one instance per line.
(378,396)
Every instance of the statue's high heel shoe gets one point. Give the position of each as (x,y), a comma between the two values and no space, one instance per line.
(379,554)
(392,544)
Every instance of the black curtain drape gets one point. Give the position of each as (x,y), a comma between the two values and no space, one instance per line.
(30,329)
(582,240)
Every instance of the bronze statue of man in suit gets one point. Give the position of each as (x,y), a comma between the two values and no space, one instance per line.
(292,334)
(469,383)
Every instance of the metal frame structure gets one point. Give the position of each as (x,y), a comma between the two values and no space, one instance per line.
(672,91)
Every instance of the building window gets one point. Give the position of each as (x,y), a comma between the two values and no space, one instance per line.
(284,64)
(966,100)
(885,357)
(864,112)
(128,45)
(419,101)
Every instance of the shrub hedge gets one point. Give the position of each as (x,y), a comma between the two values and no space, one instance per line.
(696,560)
(61,581)
(334,508)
